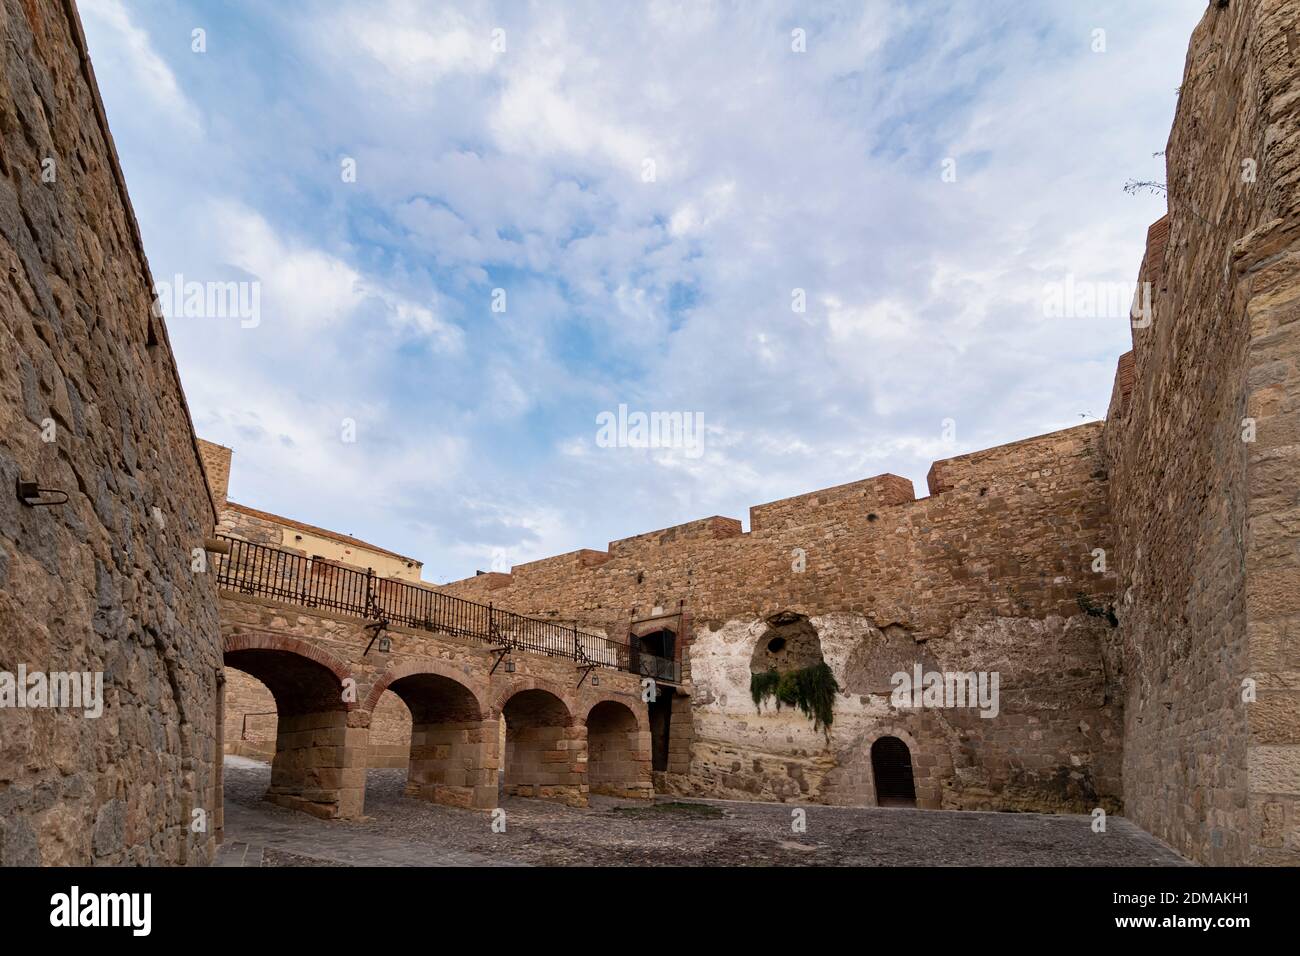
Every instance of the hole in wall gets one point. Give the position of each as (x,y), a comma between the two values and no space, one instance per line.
(788,667)
(789,643)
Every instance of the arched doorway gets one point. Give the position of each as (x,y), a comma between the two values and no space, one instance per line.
(452,747)
(891,766)
(616,764)
(318,762)
(542,751)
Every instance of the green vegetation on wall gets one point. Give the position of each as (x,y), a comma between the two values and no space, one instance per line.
(811,689)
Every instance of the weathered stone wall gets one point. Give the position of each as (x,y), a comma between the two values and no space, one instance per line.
(90,404)
(1206,520)
(216,465)
(985,574)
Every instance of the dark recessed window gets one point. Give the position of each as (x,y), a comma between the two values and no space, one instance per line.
(776,645)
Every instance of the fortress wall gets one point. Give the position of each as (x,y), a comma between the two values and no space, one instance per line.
(984,576)
(1206,512)
(91,405)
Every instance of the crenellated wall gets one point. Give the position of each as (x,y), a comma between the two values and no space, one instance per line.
(985,574)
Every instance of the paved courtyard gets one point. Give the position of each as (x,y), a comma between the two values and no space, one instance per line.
(401,831)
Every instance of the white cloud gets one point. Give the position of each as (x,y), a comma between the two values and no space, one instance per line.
(134,56)
(775,170)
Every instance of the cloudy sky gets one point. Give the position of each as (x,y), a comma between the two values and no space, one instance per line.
(643,187)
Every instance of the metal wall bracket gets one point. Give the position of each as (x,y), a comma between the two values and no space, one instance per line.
(501,653)
(385,643)
(31,495)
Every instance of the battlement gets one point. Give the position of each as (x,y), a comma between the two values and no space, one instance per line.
(869,492)
(996,470)
(1047,480)
(703,529)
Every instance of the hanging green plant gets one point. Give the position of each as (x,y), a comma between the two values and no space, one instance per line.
(811,689)
(763,685)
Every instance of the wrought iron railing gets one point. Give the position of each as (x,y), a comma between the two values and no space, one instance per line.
(267,571)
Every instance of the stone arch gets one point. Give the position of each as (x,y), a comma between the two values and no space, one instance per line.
(319,762)
(589,703)
(852,782)
(618,751)
(246,646)
(454,747)
(892,772)
(412,666)
(529,682)
(546,745)
(926,761)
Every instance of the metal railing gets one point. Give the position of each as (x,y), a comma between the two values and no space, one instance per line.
(267,571)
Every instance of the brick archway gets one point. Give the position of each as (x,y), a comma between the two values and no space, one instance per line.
(546,743)
(319,763)
(273,641)
(925,779)
(454,749)
(587,704)
(618,750)
(524,683)
(852,782)
(414,666)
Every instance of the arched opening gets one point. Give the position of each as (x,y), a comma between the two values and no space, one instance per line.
(318,762)
(653,655)
(390,735)
(891,766)
(617,763)
(251,718)
(658,643)
(545,756)
(453,748)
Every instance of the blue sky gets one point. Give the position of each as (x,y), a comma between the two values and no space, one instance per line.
(524,169)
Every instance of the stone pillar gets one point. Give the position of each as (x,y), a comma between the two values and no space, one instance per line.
(455,763)
(548,762)
(320,764)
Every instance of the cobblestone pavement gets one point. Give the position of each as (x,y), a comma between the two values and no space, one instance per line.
(402,831)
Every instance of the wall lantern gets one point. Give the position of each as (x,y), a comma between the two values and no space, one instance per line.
(510,666)
(30,494)
(385,644)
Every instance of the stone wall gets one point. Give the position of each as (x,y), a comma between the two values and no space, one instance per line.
(1203,441)
(983,575)
(216,465)
(91,405)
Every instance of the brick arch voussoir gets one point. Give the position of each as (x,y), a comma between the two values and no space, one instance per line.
(274,641)
(639,714)
(528,682)
(413,666)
